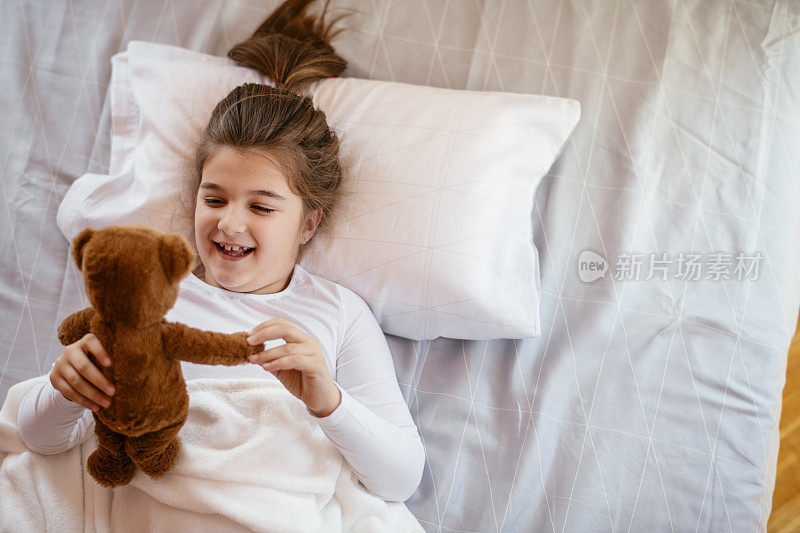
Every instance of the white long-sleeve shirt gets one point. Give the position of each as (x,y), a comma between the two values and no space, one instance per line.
(372,426)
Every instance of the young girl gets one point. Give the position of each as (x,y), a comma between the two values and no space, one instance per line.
(267,176)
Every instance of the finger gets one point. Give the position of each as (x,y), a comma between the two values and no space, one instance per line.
(269,322)
(94,376)
(277,330)
(273,353)
(265,324)
(72,395)
(93,346)
(86,389)
(289,362)
(272,322)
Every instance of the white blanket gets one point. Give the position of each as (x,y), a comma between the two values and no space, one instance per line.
(252,458)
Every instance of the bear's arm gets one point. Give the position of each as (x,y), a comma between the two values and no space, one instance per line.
(194,345)
(75,326)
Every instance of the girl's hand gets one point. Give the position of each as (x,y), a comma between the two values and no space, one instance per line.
(299,365)
(77,377)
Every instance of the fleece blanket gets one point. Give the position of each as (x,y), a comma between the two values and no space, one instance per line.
(252,459)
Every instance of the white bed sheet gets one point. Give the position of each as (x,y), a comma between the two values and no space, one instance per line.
(645,405)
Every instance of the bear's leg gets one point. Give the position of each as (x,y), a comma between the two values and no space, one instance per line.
(109,465)
(155,453)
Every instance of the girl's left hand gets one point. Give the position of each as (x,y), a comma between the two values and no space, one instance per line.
(299,364)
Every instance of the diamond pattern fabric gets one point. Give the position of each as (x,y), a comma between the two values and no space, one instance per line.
(647,404)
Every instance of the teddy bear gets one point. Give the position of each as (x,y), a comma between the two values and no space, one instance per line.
(131,275)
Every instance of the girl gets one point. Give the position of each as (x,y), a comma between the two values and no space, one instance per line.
(267,176)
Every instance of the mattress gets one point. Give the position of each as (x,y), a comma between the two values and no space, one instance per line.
(667,237)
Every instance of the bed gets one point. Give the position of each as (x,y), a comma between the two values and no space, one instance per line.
(651,400)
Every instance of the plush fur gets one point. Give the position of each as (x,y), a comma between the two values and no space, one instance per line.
(131,275)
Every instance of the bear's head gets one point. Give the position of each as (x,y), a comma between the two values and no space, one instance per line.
(131,273)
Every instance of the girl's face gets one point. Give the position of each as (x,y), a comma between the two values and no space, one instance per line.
(244,202)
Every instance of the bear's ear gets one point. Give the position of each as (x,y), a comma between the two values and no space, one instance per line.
(78,243)
(176,256)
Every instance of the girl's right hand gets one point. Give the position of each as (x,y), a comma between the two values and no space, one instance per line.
(77,377)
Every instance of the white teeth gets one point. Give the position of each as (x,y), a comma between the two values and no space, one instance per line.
(234,249)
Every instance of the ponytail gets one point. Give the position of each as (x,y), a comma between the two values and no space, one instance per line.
(291,48)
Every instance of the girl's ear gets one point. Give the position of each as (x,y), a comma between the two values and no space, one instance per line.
(311,224)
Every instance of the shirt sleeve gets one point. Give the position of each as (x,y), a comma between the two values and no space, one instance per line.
(49,423)
(372,425)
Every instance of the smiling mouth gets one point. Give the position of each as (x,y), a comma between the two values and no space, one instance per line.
(240,251)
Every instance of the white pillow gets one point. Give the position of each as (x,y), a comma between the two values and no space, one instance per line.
(435,231)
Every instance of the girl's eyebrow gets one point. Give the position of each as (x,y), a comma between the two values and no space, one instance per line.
(270,194)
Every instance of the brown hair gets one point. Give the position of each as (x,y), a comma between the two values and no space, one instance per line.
(293,50)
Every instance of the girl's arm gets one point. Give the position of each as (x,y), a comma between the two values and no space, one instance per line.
(54,416)
(372,426)
(48,422)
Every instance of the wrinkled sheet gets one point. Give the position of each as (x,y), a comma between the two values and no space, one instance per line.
(309,486)
(652,400)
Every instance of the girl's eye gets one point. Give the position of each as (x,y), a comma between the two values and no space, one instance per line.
(216,202)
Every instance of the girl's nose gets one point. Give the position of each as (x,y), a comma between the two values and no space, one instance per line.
(230,223)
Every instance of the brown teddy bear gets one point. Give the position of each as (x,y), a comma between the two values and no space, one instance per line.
(131,275)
